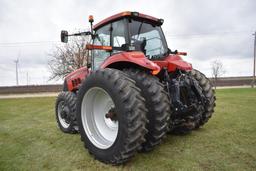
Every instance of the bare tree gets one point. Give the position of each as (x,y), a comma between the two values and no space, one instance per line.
(217,70)
(67,58)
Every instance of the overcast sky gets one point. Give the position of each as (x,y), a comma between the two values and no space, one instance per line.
(207,30)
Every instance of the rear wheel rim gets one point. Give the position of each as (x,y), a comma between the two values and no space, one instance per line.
(100,130)
(62,120)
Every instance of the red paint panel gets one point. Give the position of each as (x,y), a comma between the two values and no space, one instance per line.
(174,62)
(135,57)
(91,47)
(148,17)
(74,79)
(113,17)
(123,14)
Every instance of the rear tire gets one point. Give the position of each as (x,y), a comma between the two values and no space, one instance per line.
(65,110)
(103,87)
(158,106)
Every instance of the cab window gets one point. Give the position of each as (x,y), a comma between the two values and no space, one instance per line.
(118,34)
(147,38)
(113,34)
(103,39)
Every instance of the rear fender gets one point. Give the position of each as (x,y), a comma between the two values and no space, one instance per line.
(130,58)
(75,78)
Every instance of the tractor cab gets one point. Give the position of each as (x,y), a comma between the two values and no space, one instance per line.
(125,32)
(129,32)
(125,40)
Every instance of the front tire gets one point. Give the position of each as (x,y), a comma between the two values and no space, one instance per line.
(111,116)
(205,103)
(209,94)
(65,111)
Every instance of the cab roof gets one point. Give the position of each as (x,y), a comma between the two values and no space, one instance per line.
(129,14)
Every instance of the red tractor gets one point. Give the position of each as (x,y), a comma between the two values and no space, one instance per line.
(133,90)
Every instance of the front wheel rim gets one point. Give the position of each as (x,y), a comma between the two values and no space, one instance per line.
(62,120)
(100,130)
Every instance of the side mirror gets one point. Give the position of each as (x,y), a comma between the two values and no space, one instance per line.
(64,36)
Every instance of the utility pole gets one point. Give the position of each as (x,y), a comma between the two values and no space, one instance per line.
(17,75)
(254,63)
(27,78)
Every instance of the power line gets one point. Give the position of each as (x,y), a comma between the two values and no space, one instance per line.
(200,35)
(19,44)
(36,42)
(172,36)
(178,35)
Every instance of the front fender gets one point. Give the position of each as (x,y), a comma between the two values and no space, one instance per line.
(173,62)
(136,57)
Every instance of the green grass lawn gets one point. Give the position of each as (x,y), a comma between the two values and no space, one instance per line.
(30,139)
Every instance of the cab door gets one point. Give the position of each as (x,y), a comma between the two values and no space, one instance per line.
(113,34)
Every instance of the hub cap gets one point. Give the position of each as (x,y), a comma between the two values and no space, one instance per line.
(98,119)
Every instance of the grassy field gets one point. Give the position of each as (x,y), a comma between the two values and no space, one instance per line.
(30,139)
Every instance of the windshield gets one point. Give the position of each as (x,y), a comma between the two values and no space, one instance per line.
(148,38)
